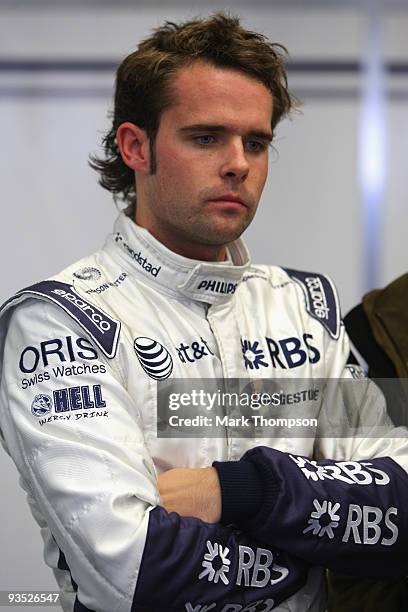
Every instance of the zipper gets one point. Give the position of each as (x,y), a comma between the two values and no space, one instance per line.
(217,338)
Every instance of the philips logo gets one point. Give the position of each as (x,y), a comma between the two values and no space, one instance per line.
(318,297)
(138,257)
(217,286)
(91,313)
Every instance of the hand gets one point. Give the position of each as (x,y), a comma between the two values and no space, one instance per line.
(192,492)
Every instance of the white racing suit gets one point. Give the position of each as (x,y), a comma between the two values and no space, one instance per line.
(81,356)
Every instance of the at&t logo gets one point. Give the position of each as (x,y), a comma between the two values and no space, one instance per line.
(154,358)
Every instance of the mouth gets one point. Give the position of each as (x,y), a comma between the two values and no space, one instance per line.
(229,199)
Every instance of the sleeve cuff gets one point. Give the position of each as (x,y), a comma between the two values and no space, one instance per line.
(241,490)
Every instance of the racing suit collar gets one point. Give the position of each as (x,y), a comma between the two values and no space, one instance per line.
(204,281)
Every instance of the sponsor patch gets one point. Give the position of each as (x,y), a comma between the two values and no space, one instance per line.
(88,274)
(58,358)
(155,360)
(217,286)
(367,525)
(254,356)
(70,403)
(41,405)
(254,273)
(323,519)
(118,281)
(321,299)
(356,371)
(216,563)
(100,326)
(371,525)
(139,257)
(189,353)
(74,416)
(54,351)
(286,353)
(78,398)
(256,566)
(350,472)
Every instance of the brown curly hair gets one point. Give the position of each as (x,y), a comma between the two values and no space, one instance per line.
(144,79)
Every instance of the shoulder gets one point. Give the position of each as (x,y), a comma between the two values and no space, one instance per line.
(314,292)
(60,301)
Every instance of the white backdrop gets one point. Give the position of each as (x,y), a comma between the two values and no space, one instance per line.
(52,210)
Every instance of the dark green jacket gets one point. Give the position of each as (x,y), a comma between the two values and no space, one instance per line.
(379,330)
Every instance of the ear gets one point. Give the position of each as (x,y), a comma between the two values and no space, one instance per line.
(134,147)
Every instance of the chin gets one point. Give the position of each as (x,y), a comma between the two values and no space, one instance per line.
(216,232)
(219,238)
(232,233)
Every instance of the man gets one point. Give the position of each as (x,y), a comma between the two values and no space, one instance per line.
(172,294)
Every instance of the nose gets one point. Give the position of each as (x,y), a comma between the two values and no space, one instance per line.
(235,164)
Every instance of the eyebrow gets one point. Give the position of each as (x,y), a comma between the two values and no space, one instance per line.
(202,127)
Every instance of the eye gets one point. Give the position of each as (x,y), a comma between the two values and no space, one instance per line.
(204,139)
(255,146)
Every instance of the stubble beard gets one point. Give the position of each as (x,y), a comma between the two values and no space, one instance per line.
(209,227)
(198,225)
(203,227)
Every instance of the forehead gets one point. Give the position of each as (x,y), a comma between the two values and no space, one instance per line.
(205,93)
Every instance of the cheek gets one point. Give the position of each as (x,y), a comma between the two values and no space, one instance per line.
(187,169)
(262,174)
(172,160)
(169,169)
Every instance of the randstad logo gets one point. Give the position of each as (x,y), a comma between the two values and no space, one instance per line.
(217,286)
(138,257)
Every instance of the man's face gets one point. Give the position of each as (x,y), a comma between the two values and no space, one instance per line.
(212,161)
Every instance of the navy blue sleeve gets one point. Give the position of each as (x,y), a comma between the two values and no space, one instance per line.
(190,565)
(348,516)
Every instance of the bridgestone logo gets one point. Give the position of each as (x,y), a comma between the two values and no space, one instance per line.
(97,319)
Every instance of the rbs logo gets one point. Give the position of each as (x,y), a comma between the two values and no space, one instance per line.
(286,353)
(366,525)
(254,568)
(292,352)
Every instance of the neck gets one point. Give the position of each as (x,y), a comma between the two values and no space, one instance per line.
(200,252)
(181,246)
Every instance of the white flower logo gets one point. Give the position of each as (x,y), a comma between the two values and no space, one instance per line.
(326,507)
(311,469)
(214,575)
(316,472)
